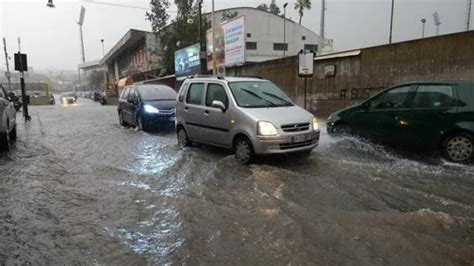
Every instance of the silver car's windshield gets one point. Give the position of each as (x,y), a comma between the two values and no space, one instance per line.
(256,94)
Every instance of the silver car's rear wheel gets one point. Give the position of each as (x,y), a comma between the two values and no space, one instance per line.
(459,148)
(5,142)
(243,150)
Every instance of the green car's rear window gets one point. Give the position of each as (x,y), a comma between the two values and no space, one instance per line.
(466,95)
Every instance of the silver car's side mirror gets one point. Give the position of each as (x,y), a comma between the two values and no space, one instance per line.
(219,104)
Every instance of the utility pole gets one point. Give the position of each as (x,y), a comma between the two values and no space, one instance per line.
(22,83)
(469,7)
(202,46)
(214,59)
(391,22)
(323,19)
(80,23)
(437,22)
(8,74)
(284,29)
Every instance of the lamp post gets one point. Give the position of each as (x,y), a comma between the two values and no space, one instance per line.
(423,21)
(103,50)
(391,22)
(284,29)
(214,66)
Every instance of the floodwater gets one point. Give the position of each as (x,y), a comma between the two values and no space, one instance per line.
(79,189)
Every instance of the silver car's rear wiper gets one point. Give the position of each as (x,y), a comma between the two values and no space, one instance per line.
(277,97)
(258,96)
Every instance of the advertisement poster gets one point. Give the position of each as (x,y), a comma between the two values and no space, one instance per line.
(230,43)
(186,61)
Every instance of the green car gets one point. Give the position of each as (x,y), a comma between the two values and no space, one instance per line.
(420,116)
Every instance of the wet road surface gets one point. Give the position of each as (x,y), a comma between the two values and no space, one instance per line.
(79,189)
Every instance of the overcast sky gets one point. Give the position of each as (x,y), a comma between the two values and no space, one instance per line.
(50,37)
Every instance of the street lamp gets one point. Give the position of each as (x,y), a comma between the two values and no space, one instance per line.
(423,21)
(391,22)
(50,4)
(284,28)
(103,50)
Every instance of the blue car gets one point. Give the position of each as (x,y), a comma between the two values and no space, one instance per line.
(147,107)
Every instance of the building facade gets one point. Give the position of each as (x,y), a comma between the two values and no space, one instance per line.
(269,36)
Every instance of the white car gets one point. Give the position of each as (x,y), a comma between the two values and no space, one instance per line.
(7,120)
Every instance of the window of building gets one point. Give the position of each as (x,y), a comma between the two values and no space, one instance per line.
(249,35)
(303,38)
(251,45)
(280,47)
(195,93)
(312,47)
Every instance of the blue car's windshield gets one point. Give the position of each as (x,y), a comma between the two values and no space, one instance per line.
(255,94)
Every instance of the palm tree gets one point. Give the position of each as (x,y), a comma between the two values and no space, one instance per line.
(301,5)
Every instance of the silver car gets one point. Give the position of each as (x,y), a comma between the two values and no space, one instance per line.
(7,120)
(252,116)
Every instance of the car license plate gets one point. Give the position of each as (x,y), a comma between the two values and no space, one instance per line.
(299,138)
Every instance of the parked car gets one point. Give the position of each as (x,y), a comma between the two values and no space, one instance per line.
(147,106)
(252,116)
(421,116)
(67,98)
(7,120)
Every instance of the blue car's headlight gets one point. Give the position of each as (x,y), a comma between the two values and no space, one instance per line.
(150,109)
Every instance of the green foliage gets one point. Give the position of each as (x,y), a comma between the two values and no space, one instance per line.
(95,78)
(228,15)
(158,15)
(301,5)
(183,31)
(272,8)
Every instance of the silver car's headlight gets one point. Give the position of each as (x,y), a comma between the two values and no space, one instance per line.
(265,128)
(315,124)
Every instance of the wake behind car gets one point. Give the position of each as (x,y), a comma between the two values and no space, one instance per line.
(252,116)
(7,120)
(147,106)
(67,98)
(421,116)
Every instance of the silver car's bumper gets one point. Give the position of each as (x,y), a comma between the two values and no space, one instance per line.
(285,143)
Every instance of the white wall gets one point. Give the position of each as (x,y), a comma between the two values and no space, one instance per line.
(266,28)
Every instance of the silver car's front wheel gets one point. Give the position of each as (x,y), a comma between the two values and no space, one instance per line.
(243,151)
(183,140)
(459,148)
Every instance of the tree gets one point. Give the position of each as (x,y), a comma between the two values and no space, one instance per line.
(95,78)
(272,8)
(301,5)
(228,15)
(158,15)
(183,31)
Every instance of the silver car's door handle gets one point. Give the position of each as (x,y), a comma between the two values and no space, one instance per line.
(206,112)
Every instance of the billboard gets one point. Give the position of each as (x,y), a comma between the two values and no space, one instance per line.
(186,61)
(230,43)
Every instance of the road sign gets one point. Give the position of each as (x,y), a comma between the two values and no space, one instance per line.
(306,64)
(21,65)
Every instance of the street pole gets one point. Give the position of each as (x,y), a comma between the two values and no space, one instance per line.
(8,66)
(202,46)
(214,59)
(284,29)
(322,25)
(423,21)
(103,50)
(22,84)
(391,22)
(82,44)
(469,7)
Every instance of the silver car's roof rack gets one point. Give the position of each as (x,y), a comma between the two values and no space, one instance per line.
(206,76)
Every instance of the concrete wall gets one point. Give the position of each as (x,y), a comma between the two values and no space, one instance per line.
(448,57)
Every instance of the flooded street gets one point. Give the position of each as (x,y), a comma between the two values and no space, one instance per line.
(78,188)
